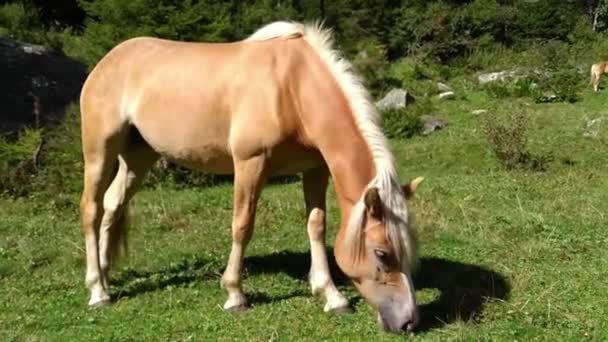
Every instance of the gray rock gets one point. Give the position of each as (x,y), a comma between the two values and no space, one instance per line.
(479,112)
(396,98)
(35,49)
(36,85)
(448,95)
(548,98)
(443,87)
(431,124)
(592,127)
(496,76)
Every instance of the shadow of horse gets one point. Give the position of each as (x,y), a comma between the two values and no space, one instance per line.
(464,288)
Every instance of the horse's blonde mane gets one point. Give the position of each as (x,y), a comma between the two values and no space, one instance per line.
(399,231)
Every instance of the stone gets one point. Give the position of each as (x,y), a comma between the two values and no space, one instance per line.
(395,99)
(442,87)
(496,76)
(432,124)
(36,85)
(448,95)
(479,112)
(592,127)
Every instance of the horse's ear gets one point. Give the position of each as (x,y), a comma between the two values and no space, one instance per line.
(410,188)
(373,203)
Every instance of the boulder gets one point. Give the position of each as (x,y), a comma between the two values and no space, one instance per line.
(479,112)
(496,76)
(442,87)
(36,85)
(448,95)
(394,99)
(432,124)
(592,127)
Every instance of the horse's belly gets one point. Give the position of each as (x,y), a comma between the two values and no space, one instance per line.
(207,159)
(289,159)
(204,147)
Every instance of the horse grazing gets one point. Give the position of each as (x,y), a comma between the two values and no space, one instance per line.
(597,70)
(279,102)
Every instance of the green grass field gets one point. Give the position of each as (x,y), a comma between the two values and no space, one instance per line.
(505,255)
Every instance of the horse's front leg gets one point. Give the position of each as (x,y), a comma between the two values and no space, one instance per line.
(249,177)
(315,188)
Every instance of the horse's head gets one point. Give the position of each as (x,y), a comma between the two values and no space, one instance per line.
(378,253)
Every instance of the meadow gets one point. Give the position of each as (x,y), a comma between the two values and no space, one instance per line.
(506,255)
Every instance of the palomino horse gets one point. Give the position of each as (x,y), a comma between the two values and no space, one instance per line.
(597,70)
(280,102)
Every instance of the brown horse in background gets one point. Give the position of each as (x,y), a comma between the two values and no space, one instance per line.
(597,70)
(280,102)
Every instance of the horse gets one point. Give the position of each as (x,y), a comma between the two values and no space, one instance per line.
(597,70)
(280,102)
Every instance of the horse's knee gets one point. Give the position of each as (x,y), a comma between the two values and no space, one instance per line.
(88,213)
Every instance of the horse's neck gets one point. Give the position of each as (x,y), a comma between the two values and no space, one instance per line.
(333,131)
(328,123)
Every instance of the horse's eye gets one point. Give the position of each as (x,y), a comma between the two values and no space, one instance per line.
(382,256)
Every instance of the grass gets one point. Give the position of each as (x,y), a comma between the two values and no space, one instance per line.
(506,255)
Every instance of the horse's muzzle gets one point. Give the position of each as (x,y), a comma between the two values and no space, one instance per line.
(397,315)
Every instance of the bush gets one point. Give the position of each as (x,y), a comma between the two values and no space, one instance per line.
(565,85)
(520,87)
(22,21)
(19,162)
(508,140)
(400,123)
(61,156)
(371,64)
(405,123)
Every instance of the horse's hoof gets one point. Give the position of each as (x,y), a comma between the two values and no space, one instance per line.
(238,308)
(100,304)
(342,310)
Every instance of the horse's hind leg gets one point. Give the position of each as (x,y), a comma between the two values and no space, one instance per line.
(315,188)
(100,154)
(595,78)
(249,178)
(134,163)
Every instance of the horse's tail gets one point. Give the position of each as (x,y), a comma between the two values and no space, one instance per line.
(119,219)
(118,241)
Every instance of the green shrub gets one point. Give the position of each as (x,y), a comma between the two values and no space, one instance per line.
(564,84)
(524,87)
(22,21)
(371,64)
(19,162)
(548,86)
(400,123)
(497,90)
(61,156)
(19,18)
(405,123)
(406,70)
(508,140)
